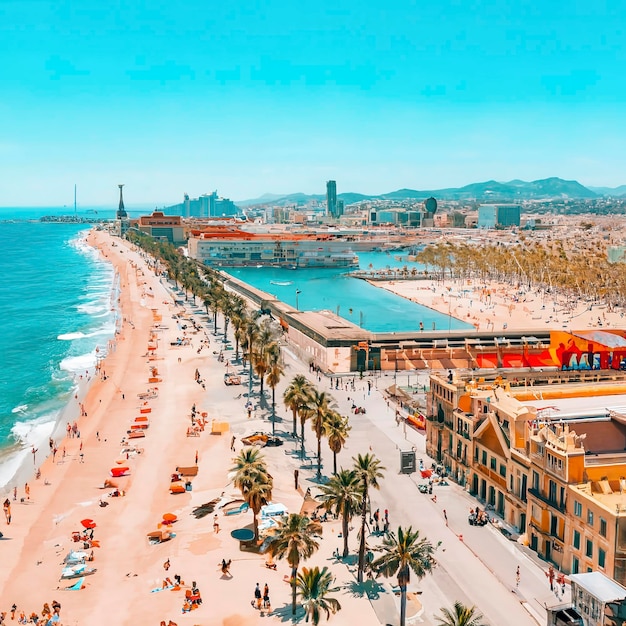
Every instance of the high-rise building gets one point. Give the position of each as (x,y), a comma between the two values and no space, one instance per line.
(331,198)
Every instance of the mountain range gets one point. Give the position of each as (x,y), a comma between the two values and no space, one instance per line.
(491,190)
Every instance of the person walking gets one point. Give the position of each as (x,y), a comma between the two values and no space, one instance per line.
(517,577)
(257,597)
(296,475)
(216,524)
(445,516)
(232,443)
(266,596)
(376,517)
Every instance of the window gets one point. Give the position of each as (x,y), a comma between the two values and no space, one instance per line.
(575,565)
(502,470)
(535,481)
(484,458)
(493,463)
(601,557)
(576,540)
(578,509)
(589,548)
(590,517)
(603,527)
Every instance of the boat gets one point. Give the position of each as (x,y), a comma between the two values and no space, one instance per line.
(281,283)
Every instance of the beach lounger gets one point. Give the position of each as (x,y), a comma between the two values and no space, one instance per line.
(177,487)
(77,586)
(137,434)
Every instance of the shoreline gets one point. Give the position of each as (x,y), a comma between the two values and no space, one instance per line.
(497,306)
(16,456)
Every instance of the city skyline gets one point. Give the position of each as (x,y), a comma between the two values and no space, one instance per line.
(178,99)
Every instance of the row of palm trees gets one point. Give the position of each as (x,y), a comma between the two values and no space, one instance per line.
(257,337)
(578,269)
(308,403)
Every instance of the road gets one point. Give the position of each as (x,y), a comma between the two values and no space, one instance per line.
(476,565)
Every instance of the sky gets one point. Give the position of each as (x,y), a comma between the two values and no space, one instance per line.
(275,96)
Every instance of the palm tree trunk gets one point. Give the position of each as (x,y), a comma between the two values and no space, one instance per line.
(255,522)
(302,439)
(295,425)
(334,463)
(362,538)
(403,605)
(345,528)
(319,455)
(273,410)
(294,573)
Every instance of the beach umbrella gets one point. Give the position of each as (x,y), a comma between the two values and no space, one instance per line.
(88,523)
(169,517)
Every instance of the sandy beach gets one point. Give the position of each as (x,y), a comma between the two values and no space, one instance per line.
(70,488)
(498,306)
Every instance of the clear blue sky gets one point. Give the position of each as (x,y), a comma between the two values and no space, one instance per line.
(276,96)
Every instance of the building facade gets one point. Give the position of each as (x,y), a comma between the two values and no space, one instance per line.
(558,479)
(331,198)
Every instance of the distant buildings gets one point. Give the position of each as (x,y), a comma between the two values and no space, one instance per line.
(499,215)
(207,205)
(163,227)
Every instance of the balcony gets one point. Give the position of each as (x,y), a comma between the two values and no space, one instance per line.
(554,504)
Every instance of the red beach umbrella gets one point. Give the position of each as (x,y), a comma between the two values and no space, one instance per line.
(88,523)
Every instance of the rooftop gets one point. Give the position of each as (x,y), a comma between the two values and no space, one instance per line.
(600,586)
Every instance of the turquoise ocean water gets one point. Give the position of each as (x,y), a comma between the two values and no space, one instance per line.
(57,305)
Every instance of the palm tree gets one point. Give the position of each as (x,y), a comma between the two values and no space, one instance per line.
(296,396)
(257,495)
(336,429)
(265,346)
(342,496)
(273,378)
(461,615)
(402,554)
(319,405)
(314,585)
(369,471)
(253,480)
(293,539)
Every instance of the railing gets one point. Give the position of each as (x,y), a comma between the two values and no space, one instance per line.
(536,493)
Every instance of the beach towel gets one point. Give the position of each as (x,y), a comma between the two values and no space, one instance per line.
(157,589)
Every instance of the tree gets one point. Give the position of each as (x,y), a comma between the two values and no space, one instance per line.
(461,615)
(402,554)
(369,471)
(342,496)
(314,587)
(273,378)
(296,396)
(336,429)
(319,405)
(293,539)
(253,480)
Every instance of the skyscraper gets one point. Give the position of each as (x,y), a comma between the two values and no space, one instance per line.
(331,198)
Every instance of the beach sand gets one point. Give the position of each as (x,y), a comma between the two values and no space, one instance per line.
(69,490)
(498,306)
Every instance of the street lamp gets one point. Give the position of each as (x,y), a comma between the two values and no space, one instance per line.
(298,292)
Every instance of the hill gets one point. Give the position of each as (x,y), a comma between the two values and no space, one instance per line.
(488,191)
